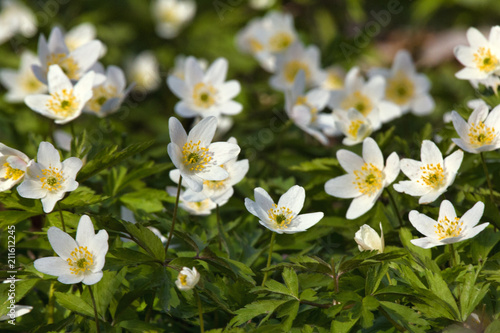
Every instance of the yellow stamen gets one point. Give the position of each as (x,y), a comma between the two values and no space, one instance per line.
(183,279)
(432,175)
(481,135)
(369,180)
(485,61)
(358,101)
(280,41)
(204,95)
(12,173)
(195,158)
(446,228)
(353,129)
(281,216)
(293,67)
(81,260)
(100,95)
(255,45)
(52,179)
(302,100)
(63,103)
(400,89)
(67,64)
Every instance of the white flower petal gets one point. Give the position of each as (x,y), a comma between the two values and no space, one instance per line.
(204,131)
(430,153)
(361,205)
(342,187)
(52,266)
(48,155)
(349,161)
(85,231)
(425,243)
(293,199)
(93,278)
(216,73)
(372,153)
(62,243)
(177,133)
(472,216)
(446,210)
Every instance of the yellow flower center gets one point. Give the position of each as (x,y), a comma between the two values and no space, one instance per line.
(30,83)
(333,81)
(81,260)
(204,95)
(481,135)
(216,184)
(432,175)
(280,41)
(195,158)
(52,179)
(67,64)
(446,228)
(293,67)
(63,103)
(354,128)
(100,95)
(358,101)
(199,205)
(400,89)
(484,60)
(170,15)
(183,279)
(12,173)
(281,216)
(255,45)
(369,179)
(302,100)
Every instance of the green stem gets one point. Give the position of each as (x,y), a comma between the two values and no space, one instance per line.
(174,215)
(388,278)
(487,177)
(396,210)
(50,311)
(454,258)
(200,310)
(271,244)
(222,239)
(62,217)
(95,310)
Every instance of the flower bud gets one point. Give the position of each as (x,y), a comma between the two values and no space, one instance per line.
(369,240)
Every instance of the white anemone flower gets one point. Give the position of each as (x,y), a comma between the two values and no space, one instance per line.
(80,259)
(108,96)
(480,132)
(179,69)
(368,239)
(282,218)
(294,59)
(194,154)
(17,311)
(334,79)
(366,179)
(405,87)
(16,18)
(48,179)
(187,278)
(21,83)
(65,101)
(13,165)
(481,58)
(205,93)
(218,191)
(304,109)
(200,208)
(354,125)
(430,177)
(75,64)
(448,228)
(172,15)
(365,97)
(144,70)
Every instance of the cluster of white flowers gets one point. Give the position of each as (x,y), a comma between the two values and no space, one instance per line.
(208,170)
(67,68)
(359,107)
(16,18)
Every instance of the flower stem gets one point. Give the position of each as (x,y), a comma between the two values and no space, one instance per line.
(200,310)
(454,258)
(174,215)
(62,218)
(271,244)
(95,310)
(222,239)
(487,174)
(50,311)
(396,210)
(388,278)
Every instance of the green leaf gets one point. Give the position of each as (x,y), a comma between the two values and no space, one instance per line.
(289,311)
(368,305)
(12,217)
(291,281)
(146,239)
(494,327)
(130,257)
(255,309)
(278,288)
(375,274)
(471,293)
(139,326)
(482,244)
(74,303)
(440,288)
(344,322)
(18,291)
(82,197)
(405,317)
(147,199)
(104,290)
(318,164)
(109,157)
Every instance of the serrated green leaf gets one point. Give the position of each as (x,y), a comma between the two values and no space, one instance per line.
(289,311)
(74,303)
(147,199)
(82,197)
(291,281)
(374,276)
(440,288)
(146,239)
(405,317)
(12,217)
(255,309)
